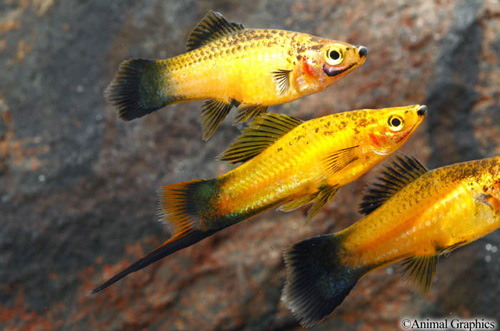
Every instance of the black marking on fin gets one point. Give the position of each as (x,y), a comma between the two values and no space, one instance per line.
(213,112)
(244,114)
(282,78)
(402,171)
(340,159)
(317,281)
(212,26)
(263,131)
(134,90)
(420,270)
(325,196)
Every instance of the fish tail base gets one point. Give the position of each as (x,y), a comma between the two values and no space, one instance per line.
(139,88)
(317,282)
(182,207)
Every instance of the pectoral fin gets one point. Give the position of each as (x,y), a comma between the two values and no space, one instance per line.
(420,270)
(489,200)
(213,112)
(339,160)
(282,79)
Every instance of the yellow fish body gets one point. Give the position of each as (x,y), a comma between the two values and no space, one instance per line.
(413,215)
(289,163)
(233,66)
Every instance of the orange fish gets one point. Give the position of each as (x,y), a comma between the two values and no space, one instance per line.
(233,66)
(289,163)
(413,215)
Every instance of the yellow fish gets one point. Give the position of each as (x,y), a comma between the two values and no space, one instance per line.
(232,66)
(289,163)
(413,215)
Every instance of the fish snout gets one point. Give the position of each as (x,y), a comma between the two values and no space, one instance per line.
(422,110)
(363,51)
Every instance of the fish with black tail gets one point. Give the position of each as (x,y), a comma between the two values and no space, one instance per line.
(288,163)
(413,216)
(233,66)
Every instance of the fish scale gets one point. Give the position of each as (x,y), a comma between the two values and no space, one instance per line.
(287,163)
(413,215)
(228,65)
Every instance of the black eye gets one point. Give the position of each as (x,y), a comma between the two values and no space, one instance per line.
(334,55)
(395,122)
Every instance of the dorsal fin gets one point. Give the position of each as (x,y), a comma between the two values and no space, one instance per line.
(211,27)
(402,171)
(262,132)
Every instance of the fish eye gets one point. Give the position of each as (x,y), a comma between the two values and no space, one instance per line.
(333,56)
(396,123)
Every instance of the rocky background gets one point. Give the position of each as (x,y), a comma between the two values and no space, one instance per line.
(78,185)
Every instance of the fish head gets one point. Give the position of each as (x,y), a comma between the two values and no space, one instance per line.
(389,128)
(488,181)
(325,62)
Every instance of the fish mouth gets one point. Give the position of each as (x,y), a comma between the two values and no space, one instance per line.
(329,71)
(421,112)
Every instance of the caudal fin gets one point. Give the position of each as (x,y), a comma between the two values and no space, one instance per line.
(317,282)
(139,88)
(181,207)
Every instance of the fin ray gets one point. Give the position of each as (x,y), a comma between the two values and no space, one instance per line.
(316,282)
(340,159)
(420,271)
(213,113)
(212,26)
(180,207)
(135,90)
(246,113)
(297,203)
(282,79)
(325,196)
(262,132)
(402,171)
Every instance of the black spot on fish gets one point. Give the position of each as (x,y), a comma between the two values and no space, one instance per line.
(280,149)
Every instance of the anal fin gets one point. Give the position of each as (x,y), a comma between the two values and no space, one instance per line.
(213,113)
(420,270)
(246,113)
(325,196)
(297,203)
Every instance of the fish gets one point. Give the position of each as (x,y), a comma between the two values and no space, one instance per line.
(413,215)
(286,162)
(231,66)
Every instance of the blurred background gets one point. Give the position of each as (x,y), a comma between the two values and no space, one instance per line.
(78,185)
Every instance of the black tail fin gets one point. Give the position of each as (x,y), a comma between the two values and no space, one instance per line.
(181,207)
(317,282)
(139,88)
